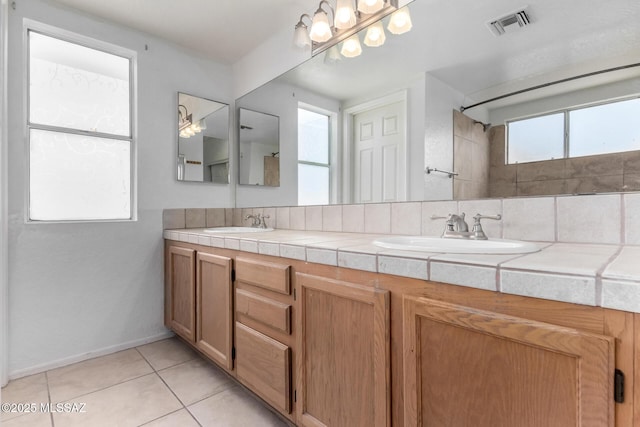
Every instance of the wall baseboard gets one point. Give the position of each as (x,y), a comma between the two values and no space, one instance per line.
(86,356)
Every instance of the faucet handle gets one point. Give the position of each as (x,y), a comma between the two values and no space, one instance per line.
(478,217)
(263,223)
(478,232)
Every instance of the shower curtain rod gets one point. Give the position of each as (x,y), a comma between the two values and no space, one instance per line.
(594,73)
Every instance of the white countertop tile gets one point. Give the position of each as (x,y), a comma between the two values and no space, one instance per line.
(625,266)
(560,271)
(574,289)
(464,275)
(566,258)
(621,295)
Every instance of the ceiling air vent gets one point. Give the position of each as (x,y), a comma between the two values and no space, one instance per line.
(509,23)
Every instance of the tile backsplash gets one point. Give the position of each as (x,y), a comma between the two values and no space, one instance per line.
(603,218)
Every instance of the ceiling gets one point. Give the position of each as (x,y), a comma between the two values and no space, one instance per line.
(450,38)
(223,30)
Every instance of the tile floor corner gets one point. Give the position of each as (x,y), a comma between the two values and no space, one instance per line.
(160,384)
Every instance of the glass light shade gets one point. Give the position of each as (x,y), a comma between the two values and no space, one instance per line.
(370,6)
(202,124)
(345,15)
(400,21)
(375,35)
(351,47)
(320,28)
(332,56)
(301,36)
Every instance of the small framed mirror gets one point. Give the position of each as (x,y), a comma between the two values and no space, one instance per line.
(203,140)
(259,148)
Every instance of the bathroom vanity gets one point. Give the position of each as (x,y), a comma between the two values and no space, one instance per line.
(323,341)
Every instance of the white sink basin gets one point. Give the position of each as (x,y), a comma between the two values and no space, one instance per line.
(217,230)
(456,246)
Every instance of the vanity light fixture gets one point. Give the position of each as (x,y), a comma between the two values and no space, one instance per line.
(186,127)
(345,15)
(348,20)
(301,35)
(400,21)
(351,47)
(375,35)
(184,121)
(332,55)
(320,29)
(370,6)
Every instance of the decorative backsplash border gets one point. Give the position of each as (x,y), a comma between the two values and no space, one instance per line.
(602,218)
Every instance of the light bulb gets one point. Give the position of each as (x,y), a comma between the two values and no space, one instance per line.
(345,15)
(370,6)
(320,29)
(301,35)
(351,47)
(400,21)
(375,35)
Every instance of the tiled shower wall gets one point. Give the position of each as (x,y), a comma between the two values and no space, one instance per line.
(470,158)
(604,218)
(588,174)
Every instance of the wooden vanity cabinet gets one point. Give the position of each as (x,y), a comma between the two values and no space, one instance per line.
(329,346)
(180,292)
(214,308)
(263,330)
(343,353)
(466,366)
(198,300)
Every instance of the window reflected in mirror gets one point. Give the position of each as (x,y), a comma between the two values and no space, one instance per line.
(203,140)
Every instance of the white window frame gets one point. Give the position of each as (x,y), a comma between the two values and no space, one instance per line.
(332,137)
(131,56)
(567,138)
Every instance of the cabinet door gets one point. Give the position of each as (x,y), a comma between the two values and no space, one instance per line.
(181,292)
(343,353)
(214,311)
(264,365)
(469,367)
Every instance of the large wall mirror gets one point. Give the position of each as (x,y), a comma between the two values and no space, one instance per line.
(203,140)
(259,137)
(437,67)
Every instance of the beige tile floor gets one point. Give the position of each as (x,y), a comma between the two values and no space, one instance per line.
(162,384)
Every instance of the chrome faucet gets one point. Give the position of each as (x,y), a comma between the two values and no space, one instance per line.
(256,220)
(457,228)
(259,220)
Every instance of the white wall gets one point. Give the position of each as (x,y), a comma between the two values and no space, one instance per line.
(4,276)
(76,290)
(441,100)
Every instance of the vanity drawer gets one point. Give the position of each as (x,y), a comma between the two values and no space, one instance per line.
(268,275)
(264,364)
(272,313)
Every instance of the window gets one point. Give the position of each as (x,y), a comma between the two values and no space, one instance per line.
(313,158)
(598,129)
(80,132)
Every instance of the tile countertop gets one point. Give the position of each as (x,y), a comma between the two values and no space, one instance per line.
(589,274)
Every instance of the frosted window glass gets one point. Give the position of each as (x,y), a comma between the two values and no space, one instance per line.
(313,137)
(607,128)
(313,184)
(74,177)
(539,138)
(77,87)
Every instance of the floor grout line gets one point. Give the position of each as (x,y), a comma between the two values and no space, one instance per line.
(46,377)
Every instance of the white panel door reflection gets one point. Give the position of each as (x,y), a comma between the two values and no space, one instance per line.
(379,160)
